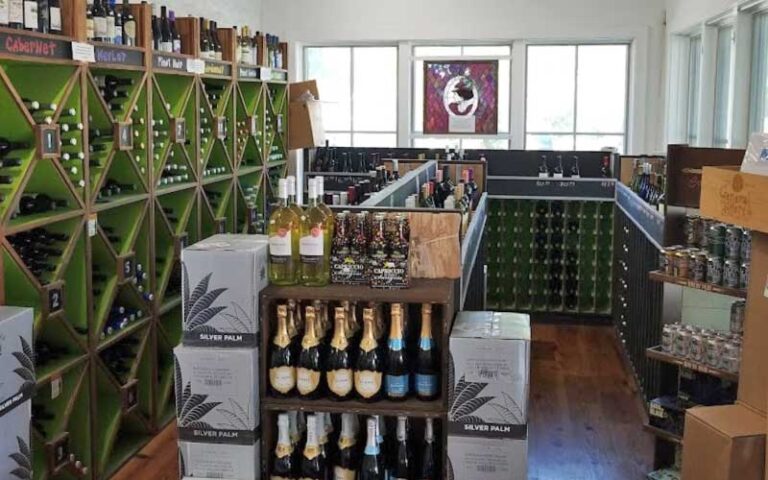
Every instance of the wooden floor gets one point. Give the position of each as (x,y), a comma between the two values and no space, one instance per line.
(585,419)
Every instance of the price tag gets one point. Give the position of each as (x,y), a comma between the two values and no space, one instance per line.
(83,52)
(266,73)
(179,130)
(280,123)
(221,128)
(254,125)
(195,65)
(93,220)
(56,384)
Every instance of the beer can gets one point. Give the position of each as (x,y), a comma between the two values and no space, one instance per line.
(700,261)
(731,273)
(714,270)
(731,364)
(698,348)
(716,240)
(682,262)
(744,276)
(683,342)
(733,235)
(704,233)
(738,312)
(668,335)
(714,354)
(692,230)
(746,246)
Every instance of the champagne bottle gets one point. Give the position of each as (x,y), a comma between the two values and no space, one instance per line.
(282,370)
(313,245)
(372,465)
(312,466)
(282,463)
(309,372)
(426,361)
(324,430)
(339,368)
(346,465)
(397,380)
(283,241)
(369,367)
(402,468)
(428,466)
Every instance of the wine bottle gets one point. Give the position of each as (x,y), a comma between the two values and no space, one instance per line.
(54,17)
(204,45)
(315,237)
(321,314)
(166,42)
(312,466)
(372,465)
(110,20)
(426,361)
(16,14)
(118,23)
(282,463)
(397,379)
(294,320)
(245,46)
(4,13)
(428,467)
(284,265)
(175,35)
(324,431)
(369,366)
(99,21)
(31,15)
(346,465)
(309,370)
(129,24)
(291,183)
(8,146)
(402,467)
(90,32)
(282,369)
(339,366)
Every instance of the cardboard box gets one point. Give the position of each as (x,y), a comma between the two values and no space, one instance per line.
(490,355)
(217,394)
(753,376)
(305,128)
(487,458)
(214,460)
(17,369)
(14,442)
(734,197)
(222,278)
(723,443)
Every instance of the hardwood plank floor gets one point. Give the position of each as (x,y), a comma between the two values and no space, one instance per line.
(585,419)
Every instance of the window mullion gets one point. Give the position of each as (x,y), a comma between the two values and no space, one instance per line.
(575,95)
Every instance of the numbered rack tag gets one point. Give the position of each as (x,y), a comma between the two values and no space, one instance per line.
(253,125)
(48,140)
(280,123)
(53,298)
(129,396)
(57,453)
(123,132)
(221,128)
(126,268)
(179,130)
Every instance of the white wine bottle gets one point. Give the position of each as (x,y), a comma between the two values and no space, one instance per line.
(283,241)
(314,245)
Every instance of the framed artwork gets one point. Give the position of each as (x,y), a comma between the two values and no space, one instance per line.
(461,96)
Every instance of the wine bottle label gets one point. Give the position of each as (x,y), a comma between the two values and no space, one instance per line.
(282,379)
(282,450)
(30,15)
(340,382)
(90,29)
(166,47)
(55,18)
(110,22)
(367,383)
(16,11)
(311,246)
(280,247)
(426,385)
(100,27)
(129,29)
(307,380)
(340,473)
(4,12)
(396,385)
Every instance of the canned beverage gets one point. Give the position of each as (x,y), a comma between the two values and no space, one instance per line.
(670,259)
(716,245)
(700,266)
(683,342)
(714,270)
(732,348)
(698,348)
(682,261)
(744,276)
(731,364)
(692,230)
(668,335)
(704,233)
(715,347)
(731,273)
(738,312)
(746,245)
(733,235)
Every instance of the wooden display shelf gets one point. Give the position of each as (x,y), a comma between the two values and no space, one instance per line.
(421,291)
(411,408)
(660,276)
(663,434)
(655,353)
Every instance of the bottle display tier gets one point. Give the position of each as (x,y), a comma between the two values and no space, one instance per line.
(107,170)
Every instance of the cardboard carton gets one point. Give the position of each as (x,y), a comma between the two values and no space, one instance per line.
(487,458)
(213,460)
(14,442)
(217,394)
(490,354)
(724,443)
(222,278)
(305,129)
(17,370)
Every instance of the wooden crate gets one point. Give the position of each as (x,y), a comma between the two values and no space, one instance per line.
(734,197)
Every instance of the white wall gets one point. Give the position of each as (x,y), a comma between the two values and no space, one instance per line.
(683,15)
(227,12)
(398,21)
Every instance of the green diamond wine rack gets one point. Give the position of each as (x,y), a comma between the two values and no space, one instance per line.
(152,159)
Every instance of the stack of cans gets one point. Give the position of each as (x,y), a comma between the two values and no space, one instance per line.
(720,350)
(715,253)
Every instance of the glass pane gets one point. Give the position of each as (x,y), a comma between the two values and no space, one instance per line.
(722,86)
(504,87)
(418,96)
(550,88)
(758,116)
(436,51)
(331,67)
(436,142)
(599,142)
(488,50)
(375,88)
(694,66)
(485,144)
(602,88)
(374,140)
(339,139)
(549,142)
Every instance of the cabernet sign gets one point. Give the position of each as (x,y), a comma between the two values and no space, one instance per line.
(20,44)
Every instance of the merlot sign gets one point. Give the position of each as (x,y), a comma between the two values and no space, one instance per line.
(33,46)
(118,56)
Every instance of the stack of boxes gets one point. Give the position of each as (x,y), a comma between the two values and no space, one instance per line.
(217,365)
(488,396)
(17,383)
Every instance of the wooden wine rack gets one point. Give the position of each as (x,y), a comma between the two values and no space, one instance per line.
(106,416)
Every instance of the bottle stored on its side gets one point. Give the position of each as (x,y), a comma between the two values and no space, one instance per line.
(372,465)
(312,466)
(310,367)
(427,384)
(282,367)
(370,363)
(397,379)
(284,262)
(339,366)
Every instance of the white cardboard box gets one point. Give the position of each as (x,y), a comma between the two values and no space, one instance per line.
(214,460)
(17,371)
(14,441)
(487,458)
(489,368)
(222,278)
(217,394)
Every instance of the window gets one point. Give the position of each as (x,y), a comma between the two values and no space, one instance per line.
(694,71)
(576,97)
(358,87)
(500,141)
(722,87)
(758,117)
